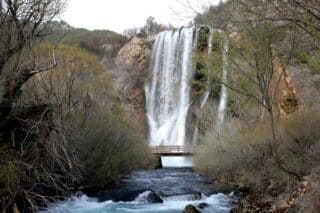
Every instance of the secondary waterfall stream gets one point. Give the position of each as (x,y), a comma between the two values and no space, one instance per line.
(223,95)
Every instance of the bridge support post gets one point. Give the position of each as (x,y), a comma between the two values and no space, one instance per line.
(158,162)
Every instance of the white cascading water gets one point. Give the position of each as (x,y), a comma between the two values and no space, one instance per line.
(168,89)
(223,94)
(206,94)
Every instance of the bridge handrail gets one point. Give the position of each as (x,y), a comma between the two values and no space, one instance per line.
(172,149)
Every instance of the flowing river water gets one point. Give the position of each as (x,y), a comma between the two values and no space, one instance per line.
(176,187)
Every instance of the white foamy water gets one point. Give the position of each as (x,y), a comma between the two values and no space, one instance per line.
(176,162)
(177,188)
(219,203)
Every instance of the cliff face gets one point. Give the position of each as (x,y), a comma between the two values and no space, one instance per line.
(293,86)
(283,90)
(130,74)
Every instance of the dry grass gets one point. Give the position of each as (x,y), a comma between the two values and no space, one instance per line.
(240,152)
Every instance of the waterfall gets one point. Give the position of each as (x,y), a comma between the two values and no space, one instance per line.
(223,94)
(168,88)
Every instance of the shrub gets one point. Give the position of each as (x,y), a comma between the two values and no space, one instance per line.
(105,142)
(110,148)
(240,153)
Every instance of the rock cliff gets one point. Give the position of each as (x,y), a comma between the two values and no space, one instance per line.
(132,64)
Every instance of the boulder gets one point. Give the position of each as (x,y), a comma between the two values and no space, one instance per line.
(190,209)
(203,205)
(152,197)
(126,195)
(197,196)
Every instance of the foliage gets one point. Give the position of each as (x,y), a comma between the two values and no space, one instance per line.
(109,146)
(29,151)
(150,28)
(100,42)
(239,152)
(261,32)
(78,78)
(60,118)
(214,16)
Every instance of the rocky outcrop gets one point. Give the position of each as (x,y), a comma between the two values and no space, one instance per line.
(305,197)
(135,56)
(152,197)
(293,87)
(283,90)
(309,199)
(300,197)
(130,75)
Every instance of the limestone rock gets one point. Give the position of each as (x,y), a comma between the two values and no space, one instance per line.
(135,56)
(130,75)
(283,90)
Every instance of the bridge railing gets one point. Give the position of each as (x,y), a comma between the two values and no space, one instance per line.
(172,149)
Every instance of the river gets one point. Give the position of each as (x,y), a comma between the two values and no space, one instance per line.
(176,187)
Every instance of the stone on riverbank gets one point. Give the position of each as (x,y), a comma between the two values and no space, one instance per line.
(190,209)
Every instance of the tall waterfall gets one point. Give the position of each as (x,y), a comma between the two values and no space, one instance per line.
(168,89)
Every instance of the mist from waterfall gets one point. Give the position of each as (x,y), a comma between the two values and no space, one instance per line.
(168,89)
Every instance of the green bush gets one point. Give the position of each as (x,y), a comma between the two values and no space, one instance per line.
(110,148)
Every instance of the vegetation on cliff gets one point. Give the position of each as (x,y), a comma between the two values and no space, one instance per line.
(103,43)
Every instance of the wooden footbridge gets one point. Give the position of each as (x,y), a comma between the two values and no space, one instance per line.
(172,150)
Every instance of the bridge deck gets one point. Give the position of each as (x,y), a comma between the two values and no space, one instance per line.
(172,150)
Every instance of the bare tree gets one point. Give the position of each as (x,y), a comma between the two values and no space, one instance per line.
(23,24)
(35,149)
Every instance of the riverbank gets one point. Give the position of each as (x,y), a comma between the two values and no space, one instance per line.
(298,196)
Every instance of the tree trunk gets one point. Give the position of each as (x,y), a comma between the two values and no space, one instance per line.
(281,165)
